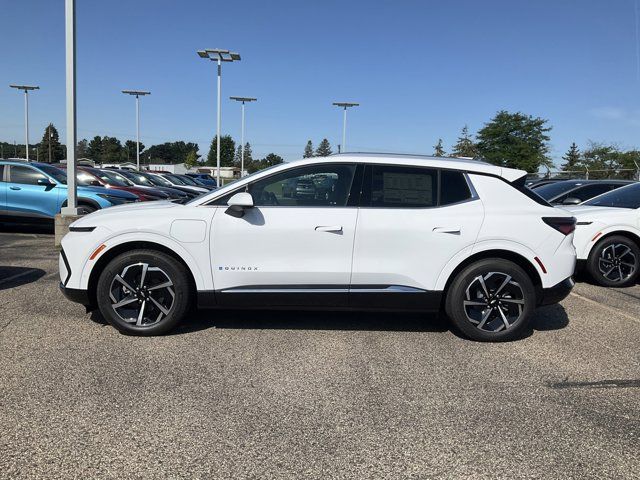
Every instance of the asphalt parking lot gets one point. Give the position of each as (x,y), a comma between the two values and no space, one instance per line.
(311,395)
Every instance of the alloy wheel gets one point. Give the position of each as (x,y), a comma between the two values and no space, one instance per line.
(617,262)
(493,302)
(142,294)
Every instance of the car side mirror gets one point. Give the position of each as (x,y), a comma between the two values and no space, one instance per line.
(45,182)
(238,204)
(571,201)
(95,183)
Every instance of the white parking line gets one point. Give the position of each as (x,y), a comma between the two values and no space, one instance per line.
(607,307)
(17,275)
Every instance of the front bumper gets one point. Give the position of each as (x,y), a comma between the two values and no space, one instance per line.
(76,295)
(556,293)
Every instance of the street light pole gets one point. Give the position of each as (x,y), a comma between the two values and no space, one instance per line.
(345,105)
(243,100)
(219,56)
(137,93)
(70,46)
(25,89)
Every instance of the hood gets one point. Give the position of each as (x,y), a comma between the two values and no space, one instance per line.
(105,191)
(123,211)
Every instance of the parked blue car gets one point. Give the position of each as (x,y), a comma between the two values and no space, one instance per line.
(31,191)
(204,178)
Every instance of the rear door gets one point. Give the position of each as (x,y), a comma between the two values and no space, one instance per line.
(3,192)
(412,222)
(25,198)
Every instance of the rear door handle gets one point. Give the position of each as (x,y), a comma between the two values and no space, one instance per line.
(330,228)
(452,230)
(13,187)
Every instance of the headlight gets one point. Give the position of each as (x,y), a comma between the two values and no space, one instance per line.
(114,200)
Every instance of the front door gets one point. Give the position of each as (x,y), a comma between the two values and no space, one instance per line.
(26,198)
(294,247)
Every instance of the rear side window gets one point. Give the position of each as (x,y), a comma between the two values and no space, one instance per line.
(403,187)
(25,175)
(590,191)
(1,173)
(453,187)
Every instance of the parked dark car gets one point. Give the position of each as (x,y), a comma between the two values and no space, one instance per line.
(143,179)
(205,178)
(546,181)
(573,192)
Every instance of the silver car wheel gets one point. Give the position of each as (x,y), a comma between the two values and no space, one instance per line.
(493,302)
(617,262)
(142,295)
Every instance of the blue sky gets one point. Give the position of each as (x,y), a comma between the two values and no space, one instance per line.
(420,69)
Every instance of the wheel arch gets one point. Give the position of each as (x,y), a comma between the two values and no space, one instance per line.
(514,257)
(126,246)
(86,201)
(631,235)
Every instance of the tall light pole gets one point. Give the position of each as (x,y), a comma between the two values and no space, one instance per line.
(70,73)
(219,56)
(345,105)
(243,100)
(25,89)
(137,93)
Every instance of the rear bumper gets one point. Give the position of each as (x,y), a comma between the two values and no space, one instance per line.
(76,295)
(556,293)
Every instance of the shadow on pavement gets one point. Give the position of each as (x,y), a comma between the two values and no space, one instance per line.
(41,228)
(597,384)
(11,277)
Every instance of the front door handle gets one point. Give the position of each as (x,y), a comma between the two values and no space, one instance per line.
(330,228)
(13,187)
(452,230)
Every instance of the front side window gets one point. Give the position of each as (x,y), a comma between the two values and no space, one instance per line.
(402,187)
(315,185)
(25,175)
(588,191)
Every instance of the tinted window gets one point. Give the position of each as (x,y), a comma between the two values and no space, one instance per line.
(25,175)
(453,187)
(590,191)
(1,173)
(314,185)
(627,197)
(552,190)
(402,187)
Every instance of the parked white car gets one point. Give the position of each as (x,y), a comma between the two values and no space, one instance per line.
(389,233)
(607,236)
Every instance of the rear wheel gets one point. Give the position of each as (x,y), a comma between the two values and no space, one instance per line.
(491,300)
(144,292)
(614,262)
(84,209)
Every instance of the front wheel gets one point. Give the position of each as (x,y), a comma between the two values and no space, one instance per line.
(614,262)
(491,300)
(144,292)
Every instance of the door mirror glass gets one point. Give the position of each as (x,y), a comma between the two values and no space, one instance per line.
(95,183)
(238,204)
(571,201)
(45,182)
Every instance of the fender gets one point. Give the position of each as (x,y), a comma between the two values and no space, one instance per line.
(606,231)
(203,279)
(484,246)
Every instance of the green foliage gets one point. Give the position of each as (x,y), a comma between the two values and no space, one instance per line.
(169,152)
(129,150)
(82,148)
(50,144)
(515,140)
(268,161)
(227,149)
(324,149)
(439,149)
(465,146)
(571,158)
(191,160)
(308,150)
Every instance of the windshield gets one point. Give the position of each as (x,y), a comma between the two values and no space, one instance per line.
(60,176)
(176,180)
(188,180)
(110,179)
(137,178)
(116,177)
(624,197)
(552,190)
(157,180)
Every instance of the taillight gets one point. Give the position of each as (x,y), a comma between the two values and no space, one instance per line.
(564,225)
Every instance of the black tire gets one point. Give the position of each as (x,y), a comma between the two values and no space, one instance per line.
(623,267)
(512,306)
(84,209)
(161,270)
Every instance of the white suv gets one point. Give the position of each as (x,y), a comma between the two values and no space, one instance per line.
(379,232)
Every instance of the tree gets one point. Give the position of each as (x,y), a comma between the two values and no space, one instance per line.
(112,150)
(515,140)
(82,148)
(273,159)
(268,161)
(465,146)
(571,158)
(324,149)
(94,150)
(170,152)
(439,149)
(130,150)
(227,149)
(308,150)
(191,161)
(50,148)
